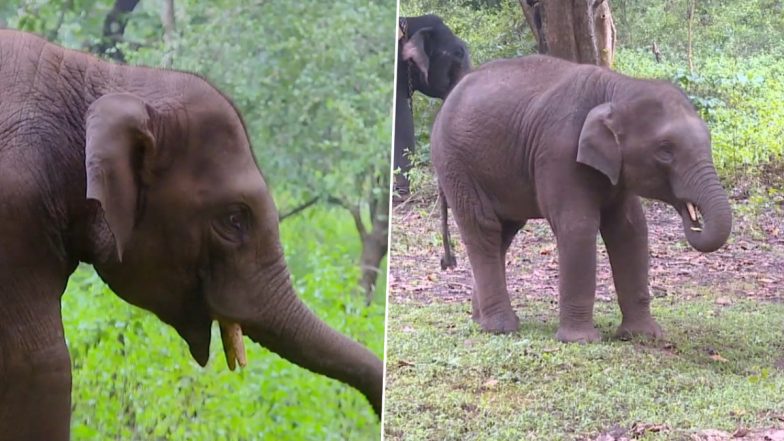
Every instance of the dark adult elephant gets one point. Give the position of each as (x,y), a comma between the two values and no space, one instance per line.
(578,147)
(148,175)
(431,60)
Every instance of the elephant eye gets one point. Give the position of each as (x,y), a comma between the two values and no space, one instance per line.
(664,152)
(235,219)
(459,53)
(233,224)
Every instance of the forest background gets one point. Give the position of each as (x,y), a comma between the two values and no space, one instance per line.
(313,81)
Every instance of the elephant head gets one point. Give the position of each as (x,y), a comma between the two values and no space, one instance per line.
(651,140)
(436,57)
(185,227)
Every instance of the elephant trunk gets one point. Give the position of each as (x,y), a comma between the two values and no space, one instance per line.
(710,201)
(290,329)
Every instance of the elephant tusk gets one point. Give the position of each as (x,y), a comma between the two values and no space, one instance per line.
(233,346)
(697,229)
(692,211)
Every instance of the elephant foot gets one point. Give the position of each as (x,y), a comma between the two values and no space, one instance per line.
(647,328)
(581,334)
(500,323)
(448,261)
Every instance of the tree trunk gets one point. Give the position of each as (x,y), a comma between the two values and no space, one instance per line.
(167,19)
(375,243)
(605,34)
(576,30)
(690,24)
(114,28)
(532,10)
(374,248)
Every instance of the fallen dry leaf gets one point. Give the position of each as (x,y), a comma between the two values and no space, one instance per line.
(639,429)
(715,356)
(489,384)
(740,432)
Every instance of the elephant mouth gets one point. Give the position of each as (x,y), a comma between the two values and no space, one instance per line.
(690,212)
(194,327)
(198,339)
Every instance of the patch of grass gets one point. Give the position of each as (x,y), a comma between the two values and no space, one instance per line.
(720,367)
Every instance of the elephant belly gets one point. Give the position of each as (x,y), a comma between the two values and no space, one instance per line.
(514,201)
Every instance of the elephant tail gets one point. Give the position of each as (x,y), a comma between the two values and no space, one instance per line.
(448,260)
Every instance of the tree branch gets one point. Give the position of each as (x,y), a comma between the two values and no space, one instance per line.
(300,208)
(354,210)
(52,35)
(169,28)
(114,28)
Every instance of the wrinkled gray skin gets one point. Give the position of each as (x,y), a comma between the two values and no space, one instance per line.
(149,176)
(578,145)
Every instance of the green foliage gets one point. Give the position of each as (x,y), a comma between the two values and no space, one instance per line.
(735,29)
(741,100)
(312,80)
(134,378)
(737,85)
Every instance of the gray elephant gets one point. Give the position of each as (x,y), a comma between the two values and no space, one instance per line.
(578,146)
(148,175)
(431,60)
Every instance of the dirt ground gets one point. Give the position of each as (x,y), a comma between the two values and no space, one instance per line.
(750,265)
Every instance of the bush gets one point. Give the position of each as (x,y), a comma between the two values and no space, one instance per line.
(737,85)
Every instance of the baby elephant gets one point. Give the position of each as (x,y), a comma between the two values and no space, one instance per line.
(540,137)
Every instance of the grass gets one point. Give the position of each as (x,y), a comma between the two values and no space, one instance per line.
(720,367)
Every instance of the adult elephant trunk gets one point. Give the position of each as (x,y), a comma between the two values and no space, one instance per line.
(710,202)
(286,326)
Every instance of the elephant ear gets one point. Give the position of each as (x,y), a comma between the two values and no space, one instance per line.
(599,146)
(414,50)
(119,151)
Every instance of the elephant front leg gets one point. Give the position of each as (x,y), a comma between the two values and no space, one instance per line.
(35,373)
(625,233)
(576,237)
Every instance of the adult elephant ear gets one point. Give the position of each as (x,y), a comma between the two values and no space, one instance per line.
(119,151)
(599,146)
(414,49)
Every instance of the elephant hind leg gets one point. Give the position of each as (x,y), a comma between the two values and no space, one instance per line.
(484,242)
(508,232)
